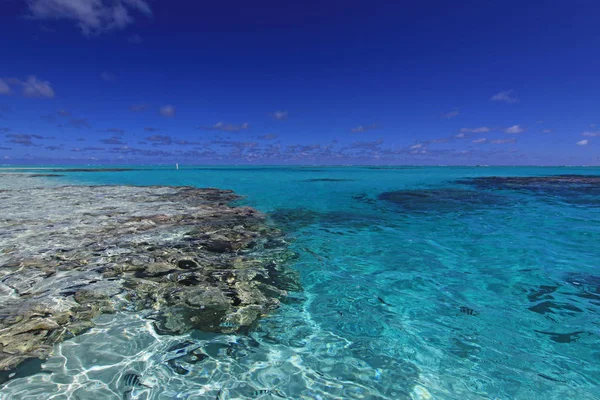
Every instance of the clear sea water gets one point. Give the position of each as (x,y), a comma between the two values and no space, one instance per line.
(459,292)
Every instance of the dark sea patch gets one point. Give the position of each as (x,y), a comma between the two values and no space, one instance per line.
(575,189)
(327,180)
(441,200)
(43,175)
(563,337)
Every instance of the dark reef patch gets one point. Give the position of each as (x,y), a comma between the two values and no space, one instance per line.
(441,200)
(575,189)
(328,180)
(563,337)
(43,175)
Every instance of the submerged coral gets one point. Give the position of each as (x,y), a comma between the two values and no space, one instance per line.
(68,254)
(575,189)
(441,200)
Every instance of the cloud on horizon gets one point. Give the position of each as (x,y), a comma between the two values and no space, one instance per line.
(223,127)
(112,140)
(23,139)
(268,136)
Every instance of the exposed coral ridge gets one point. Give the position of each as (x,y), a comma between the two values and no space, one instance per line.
(70,253)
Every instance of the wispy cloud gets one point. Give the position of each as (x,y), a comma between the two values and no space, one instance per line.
(515,129)
(591,134)
(480,141)
(118,131)
(165,140)
(80,123)
(450,114)
(91,16)
(583,142)
(4,88)
(167,111)
(467,131)
(107,76)
(138,107)
(546,130)
(23,139)
(160,140)
(507,96)
(112,140)
(223,127)
(364,128)
(279,115)
(268,136)
(504,141)
(32,86)
(150,129)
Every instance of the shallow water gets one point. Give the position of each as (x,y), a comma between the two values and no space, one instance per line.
(415,286)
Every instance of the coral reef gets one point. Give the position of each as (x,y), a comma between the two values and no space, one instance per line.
(181,256)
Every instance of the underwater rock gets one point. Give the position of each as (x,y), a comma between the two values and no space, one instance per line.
(68,254)
(576,189)
(328,180)
(441,200)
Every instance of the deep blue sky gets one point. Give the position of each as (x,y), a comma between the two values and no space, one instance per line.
(308,82)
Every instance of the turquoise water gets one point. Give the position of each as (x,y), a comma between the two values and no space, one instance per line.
(443,290)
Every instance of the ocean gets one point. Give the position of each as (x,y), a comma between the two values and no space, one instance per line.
(417,283)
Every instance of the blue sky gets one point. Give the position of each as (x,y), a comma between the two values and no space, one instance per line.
(311,82)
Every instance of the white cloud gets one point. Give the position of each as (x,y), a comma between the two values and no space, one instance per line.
(591,134)
(416,146)
(167,111)
(107,76)
(4,88)
(92,16)
(280,115)
(583,142)
(221,126)
(481,129)
(515,129)
(33,87)
(450,114)
(480,141)
(506,96)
